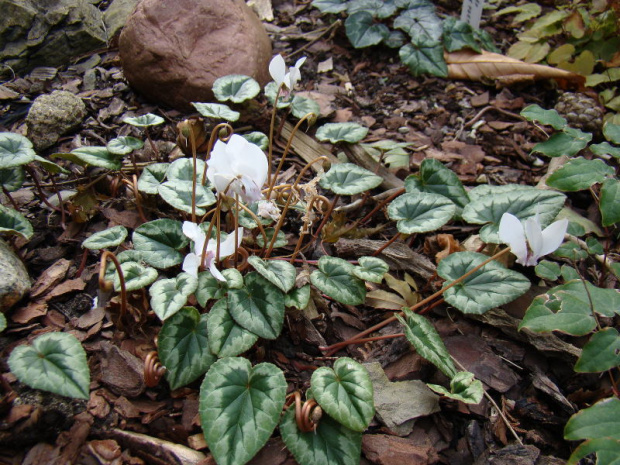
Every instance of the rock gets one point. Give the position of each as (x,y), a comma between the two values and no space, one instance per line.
(54,115)
(115,16)
(14,279)
(47,32)
(173,50)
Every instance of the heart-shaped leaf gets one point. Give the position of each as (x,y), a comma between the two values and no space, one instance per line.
(258,306)
(380,9)
(345,393)
(612,133)
(489,287)
(152,176)
(330,6)
(331,443)
(92,156)
(371,269)
(13,222)
(335,278)
(341,132)
(183,347)
(124,145)
(420,21)
(159,242)
(168,296)
(216,111)
(209,288)
(435,178)
(278,272)
(424,56)
(568,308)
(226,337)
(110,237)
(298,297)
(427,342)
(235,87)
(257,138)
(548,117)
(279,242)
(579,174)
(458,35)
(50,166)
(136,276)
(12,179)
(568,143)
(607,451)
(605,149)
(421,212)
(183,170)
(56,362)
(349,179)
(463,386)
(602,420)
(609,203)
(301,106)
(240,407)
(144,121)
(15,150)
(178,194)
(601,353)
(488,206)
(362,30)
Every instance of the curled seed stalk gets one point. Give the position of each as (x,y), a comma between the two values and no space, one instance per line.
(153,369)
(307,415)
(215,134)
(107,286)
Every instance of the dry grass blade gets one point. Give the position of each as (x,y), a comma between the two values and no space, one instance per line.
(467,64)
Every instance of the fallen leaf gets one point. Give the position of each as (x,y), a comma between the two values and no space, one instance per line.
(467,64)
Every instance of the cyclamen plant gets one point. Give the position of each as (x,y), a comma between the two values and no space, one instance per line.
(236,215)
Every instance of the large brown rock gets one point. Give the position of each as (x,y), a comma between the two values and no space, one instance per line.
(173,50)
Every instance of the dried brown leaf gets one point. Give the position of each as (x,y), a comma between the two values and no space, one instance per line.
(467,64)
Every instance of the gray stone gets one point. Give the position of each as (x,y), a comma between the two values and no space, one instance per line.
(173,50)
(47,32)
(14,280)
(115,16)
(52,116)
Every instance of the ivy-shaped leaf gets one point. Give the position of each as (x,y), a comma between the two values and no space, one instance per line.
(298,298)
(609,203)
(12,179)
(209,288)
(331,443)
(435,178)
(458,35)
(183,170)
(124,145)
(601,352)
(55,362)
(421,212)
(491,286)
(341,132)
(152,176)
(92,156)
(548,117)
(380,9)
(422,57)
(240,407)
(568,143)
(143,121)
(427,342)
(13,222)
(168,296)
(235,87)
(335,278)
(178,194)
(110,237)
(216,111)
(159,242)
(136,276)
(602,420)
(226,337)
(15,150)
(463,386)
(579,174)
(362,30)
(371,269)
(183,347)
(420,21)
(278,272)
(345,393)
(349,179)
(301,106)
(258,306)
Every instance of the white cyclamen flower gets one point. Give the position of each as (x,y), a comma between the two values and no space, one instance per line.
(191,264)
(529,241)
(277,69)
(238,167)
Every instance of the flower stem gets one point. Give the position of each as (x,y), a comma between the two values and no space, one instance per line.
(271,128)
(329,350)
(107,286)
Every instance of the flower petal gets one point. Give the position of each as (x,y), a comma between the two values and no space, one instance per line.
(533,233)
(277,69)
(215,272)
(193,231)
(511,233)
(190,264)
(553,236)
(300,62)
(227,247)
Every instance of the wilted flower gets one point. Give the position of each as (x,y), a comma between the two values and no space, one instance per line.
(529,241)
(277,69)
(268,209)
(238,167)
(192,259)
